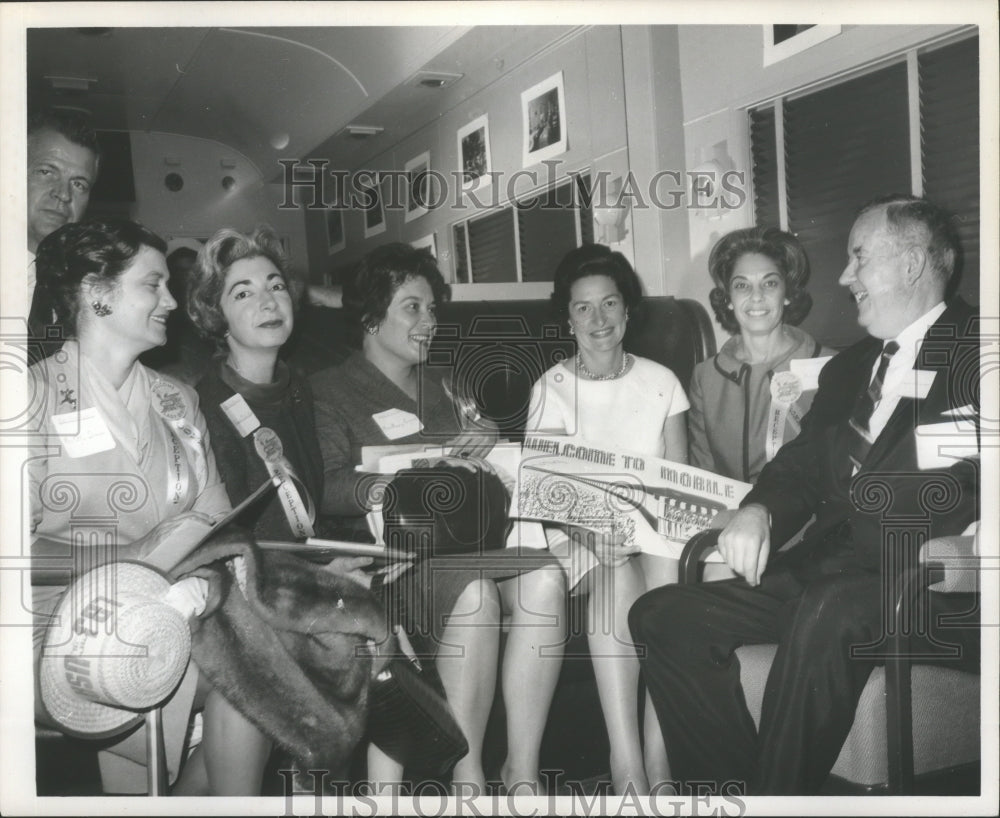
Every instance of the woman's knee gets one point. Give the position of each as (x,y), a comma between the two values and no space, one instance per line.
(479,600)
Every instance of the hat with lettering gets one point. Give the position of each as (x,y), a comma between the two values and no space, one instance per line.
(115,648)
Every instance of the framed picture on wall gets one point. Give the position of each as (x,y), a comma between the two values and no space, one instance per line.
(335,238)
(370,197)
(781,41)
(543,120)
(474,160)
(418,186)
(428,242)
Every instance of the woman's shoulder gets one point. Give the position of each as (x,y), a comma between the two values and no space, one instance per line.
(651,370)
(335,378)
(556,373)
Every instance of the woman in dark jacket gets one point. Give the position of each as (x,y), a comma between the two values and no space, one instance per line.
(259,413)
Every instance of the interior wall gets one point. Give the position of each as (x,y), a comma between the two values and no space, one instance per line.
(716,94)
(591,63)
(202,205)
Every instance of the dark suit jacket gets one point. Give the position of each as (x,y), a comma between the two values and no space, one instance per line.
(890,499)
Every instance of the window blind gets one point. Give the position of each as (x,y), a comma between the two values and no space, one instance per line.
(844,145)
(949,143)
(491,243)
(547,231)
(765,167)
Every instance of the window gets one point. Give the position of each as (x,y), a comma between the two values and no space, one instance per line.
(525,240)
(849,142)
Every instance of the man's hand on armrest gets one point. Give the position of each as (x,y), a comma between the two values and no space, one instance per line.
(745,542)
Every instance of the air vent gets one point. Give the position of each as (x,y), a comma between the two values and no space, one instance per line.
(70,83)
(433,79)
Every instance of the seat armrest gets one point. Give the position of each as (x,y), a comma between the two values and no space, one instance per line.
(695,550)
(958,557)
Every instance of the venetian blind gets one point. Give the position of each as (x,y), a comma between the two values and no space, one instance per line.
(949,142)
(844,145)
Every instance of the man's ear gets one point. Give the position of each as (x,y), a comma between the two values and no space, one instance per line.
(916,261)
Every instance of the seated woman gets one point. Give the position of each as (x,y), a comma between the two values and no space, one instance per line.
(749,399)
(622,401)
(133,449)
(241,297)
(380,396)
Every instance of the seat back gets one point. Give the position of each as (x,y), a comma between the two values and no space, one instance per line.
(946,720)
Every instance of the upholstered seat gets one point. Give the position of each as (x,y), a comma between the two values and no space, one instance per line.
(911,720)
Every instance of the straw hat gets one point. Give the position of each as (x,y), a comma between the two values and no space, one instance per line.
(114,649)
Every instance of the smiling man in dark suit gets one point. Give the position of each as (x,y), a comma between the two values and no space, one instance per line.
(855,469)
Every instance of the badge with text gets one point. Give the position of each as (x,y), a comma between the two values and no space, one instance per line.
(395,423)
(808,370)
(268,445)
(83,433)
(916,384)
(240,414)
(168,400)
(786,387)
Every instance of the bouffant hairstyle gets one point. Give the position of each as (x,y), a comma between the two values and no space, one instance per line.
(370,290)
(594,260)
(782,248)
(97,251)
(208,276)
(919,221)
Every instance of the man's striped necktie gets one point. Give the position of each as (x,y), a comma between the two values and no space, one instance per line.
(861,440)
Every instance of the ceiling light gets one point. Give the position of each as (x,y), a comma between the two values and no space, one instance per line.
(363,131)
(434,80)
(71,83)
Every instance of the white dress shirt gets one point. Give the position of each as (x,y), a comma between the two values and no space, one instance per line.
(899,378)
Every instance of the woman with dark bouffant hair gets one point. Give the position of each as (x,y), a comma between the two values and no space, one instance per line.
(379,396)
(750,398)
(618,400)
(135,445)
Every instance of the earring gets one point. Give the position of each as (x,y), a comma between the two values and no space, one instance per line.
(371,330)
(101,310)
(787,302)
(729,306)
(571,330)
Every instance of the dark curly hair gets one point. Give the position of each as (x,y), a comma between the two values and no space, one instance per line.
(208,276)
(98,250)
(73,125)
(782,248)
(594,260)
(370,290)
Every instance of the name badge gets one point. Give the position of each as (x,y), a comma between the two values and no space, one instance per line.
(83,433)
(240,414)
(808,370)
(940,445)
(916,384)
(786,387)
(395,423)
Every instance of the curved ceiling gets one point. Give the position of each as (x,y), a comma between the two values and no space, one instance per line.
(251,89)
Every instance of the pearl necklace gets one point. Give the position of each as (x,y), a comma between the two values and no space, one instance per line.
(611,376)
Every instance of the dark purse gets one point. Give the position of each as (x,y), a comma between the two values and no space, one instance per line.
(445,510)
(410,719)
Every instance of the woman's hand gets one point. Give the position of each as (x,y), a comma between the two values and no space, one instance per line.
(351,567)
(610,547)
(476,441)
(171,541)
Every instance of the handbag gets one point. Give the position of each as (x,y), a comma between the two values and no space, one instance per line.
(410,719)
(445,510)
